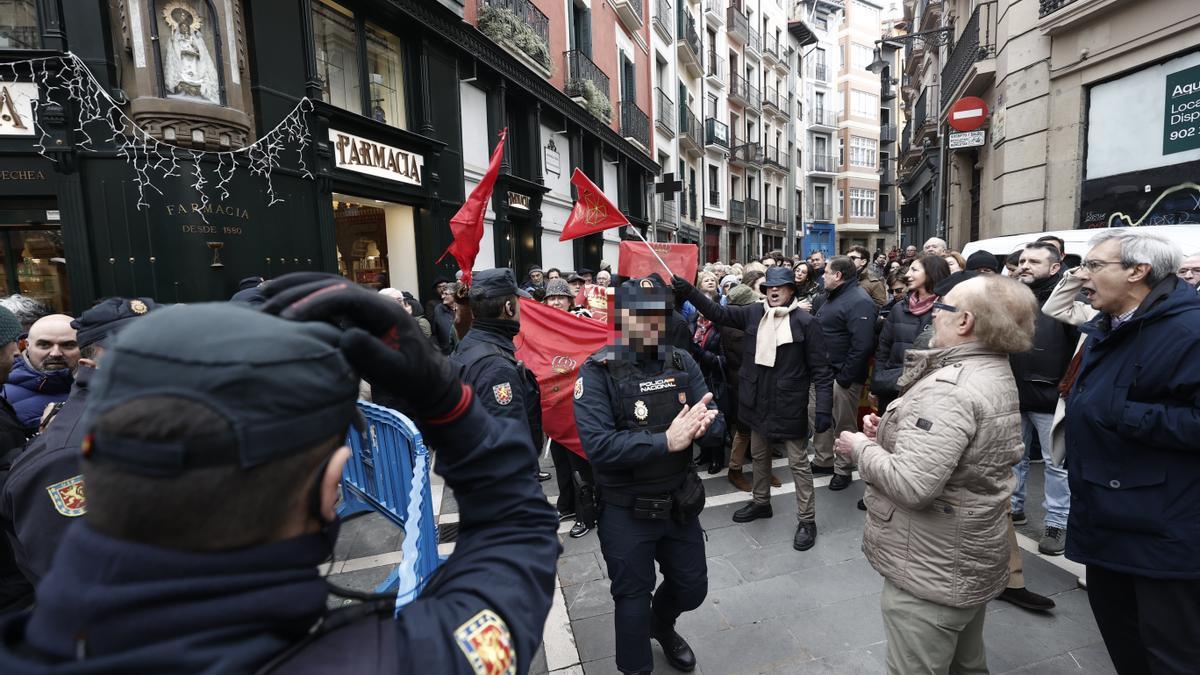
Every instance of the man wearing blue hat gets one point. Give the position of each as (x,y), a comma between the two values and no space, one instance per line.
(783,352)
(214,452)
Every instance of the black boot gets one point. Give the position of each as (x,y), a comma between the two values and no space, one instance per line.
(806,535)
(676,649)
(752,511)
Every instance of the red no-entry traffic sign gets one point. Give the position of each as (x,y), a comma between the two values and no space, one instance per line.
(968,113)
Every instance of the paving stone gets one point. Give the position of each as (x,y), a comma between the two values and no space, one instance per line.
(1074,605)
(722,574)
(589,599)
(1092,660)
(717,517)
(870,660)
(753,648)
(589,542)
(837,583)
(1044,578)
(1022,638)
(366,535)
(842,627)
(537,666)
(727,541)
(704,620)
(576,569)
(758,600)
(595,638)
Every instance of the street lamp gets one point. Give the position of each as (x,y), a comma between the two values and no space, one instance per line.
(878,64)
(937,36)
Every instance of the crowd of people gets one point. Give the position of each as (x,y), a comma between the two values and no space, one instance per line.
(211,463)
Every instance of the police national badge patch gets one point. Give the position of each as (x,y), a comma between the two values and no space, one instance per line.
(68,497)
(578,387)
(485,641)
(503,393)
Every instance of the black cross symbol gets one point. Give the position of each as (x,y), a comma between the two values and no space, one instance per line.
(668,187)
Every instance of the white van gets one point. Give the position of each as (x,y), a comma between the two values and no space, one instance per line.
(1186,237)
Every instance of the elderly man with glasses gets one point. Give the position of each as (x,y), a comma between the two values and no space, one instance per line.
(1189,271)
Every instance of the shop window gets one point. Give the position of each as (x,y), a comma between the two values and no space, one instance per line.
(33,263)
(19,25)
(335,34)
(189,50)
(385,73)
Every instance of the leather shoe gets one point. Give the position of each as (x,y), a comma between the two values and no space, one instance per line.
(1023,597)
(738,479)
(775,481)
(715,467)
(806,535)
(820,470)
(679,654)
(752,511)
(840,482)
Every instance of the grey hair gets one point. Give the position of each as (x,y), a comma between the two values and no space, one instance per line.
(1144,248)
(26,309)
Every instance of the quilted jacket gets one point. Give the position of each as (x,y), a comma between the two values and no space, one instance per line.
(940,474)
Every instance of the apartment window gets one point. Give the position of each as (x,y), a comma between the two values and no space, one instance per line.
(714,185)
(19,25)
(712,107)
(581,29)
(862,203)
(861,56)
(841,152)
(863,151)
(885,201)
(734,183)
(840,205)
(863,104)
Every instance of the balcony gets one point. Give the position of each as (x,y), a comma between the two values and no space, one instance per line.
(887,221)
(518,26)
(773,102)
(754,44)
(742,93)
(662,18)
(715,70)
(635,125)
(714,12)
(716,133)
(820,117)
(770,49)
(929,14)
(690,133)
(886,177)
(666,212)
(687,42)
(664,112)
(630,13)
(737,212)
(1048,7)
(739,30)
(753,215)
(747,155)
(887,91)
(971,67)
(822,164)
(774,157)
(823,212)
(819,72)
(587,84)
(920,118)
(775,215)
(887,133)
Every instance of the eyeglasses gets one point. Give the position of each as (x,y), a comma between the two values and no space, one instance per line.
(944,307)
(1097,265)
(856,257)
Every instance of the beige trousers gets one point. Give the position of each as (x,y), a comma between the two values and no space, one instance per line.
(845,414)
(925,637)
(760,450)
(737,453)
(1016,569)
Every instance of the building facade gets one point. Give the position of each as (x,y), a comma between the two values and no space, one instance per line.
(819,126)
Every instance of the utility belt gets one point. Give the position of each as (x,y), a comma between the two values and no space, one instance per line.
(681,505)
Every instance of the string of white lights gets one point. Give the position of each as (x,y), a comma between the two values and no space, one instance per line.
(149,158)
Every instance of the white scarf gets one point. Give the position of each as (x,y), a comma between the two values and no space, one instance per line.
(774,329)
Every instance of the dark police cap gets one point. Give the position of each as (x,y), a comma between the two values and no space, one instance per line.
(982,260)
(779,276)
(644,296)
(108,316)
(284,387)
(493,283)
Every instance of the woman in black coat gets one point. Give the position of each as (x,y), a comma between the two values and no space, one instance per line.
(905,321)
(706,350)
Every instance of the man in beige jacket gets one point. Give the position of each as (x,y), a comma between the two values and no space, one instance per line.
(938,465)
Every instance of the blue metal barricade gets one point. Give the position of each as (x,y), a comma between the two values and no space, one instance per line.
(388,472)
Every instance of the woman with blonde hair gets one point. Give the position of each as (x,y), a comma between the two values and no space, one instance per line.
(955,260)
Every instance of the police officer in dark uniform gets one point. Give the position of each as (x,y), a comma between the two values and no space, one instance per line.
(44,492)
(212,462)
(488,356)
(639,406)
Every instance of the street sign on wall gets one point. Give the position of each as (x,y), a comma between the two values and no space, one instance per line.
(1181,120)
(970,139)
(967,113)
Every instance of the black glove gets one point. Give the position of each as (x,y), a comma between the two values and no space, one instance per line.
(381,340)
(823,422)
(681,286)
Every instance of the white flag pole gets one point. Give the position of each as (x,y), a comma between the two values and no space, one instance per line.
(655,253)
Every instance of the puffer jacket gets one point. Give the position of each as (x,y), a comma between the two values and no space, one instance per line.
(940,474)
(896,338)
(30,391)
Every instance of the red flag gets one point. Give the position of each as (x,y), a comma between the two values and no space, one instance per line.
(554,344)
(467,224)
(636,260)
(592,213)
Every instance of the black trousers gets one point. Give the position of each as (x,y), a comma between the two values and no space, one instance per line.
(1148,625)
(630,547)
(566,465)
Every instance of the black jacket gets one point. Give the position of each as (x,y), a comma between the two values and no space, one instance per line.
(899,331)
(1039,370)
(848,321)
(774,401)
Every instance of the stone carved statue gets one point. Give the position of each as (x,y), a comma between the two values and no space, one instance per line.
(187,47)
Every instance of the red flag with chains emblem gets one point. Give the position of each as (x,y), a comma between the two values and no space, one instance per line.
(592,213)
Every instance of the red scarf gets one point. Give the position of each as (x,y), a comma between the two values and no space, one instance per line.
(918,307)
(703,325)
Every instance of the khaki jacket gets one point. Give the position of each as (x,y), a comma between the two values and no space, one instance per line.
(940,475)
(1063,306)
(876,288)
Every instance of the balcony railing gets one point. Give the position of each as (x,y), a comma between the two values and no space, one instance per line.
(634,123)
(771,46)
(821,117)
(904,139)
(823,163)
(716,132)
(774,156)
(887,92)
(972,46)
(886,177)
(690,130)
(887,133)
(819,211)
(748,153)
(1046,7)
(820,72)
(752,211)
(492,24)
(921,109)
(664,111)
(662,16)
(775,214)
(687,32)
(582,72)
(773,99)
(715,67)
(737,212)
(737,24)
(887,220)
(743,92)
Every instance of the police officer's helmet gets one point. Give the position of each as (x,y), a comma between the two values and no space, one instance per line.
(648,295)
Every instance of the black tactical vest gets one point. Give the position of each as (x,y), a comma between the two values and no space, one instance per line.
(474,358)
(649,401)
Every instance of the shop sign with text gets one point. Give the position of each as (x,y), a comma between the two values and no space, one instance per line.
(362,155)
(1181,120)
